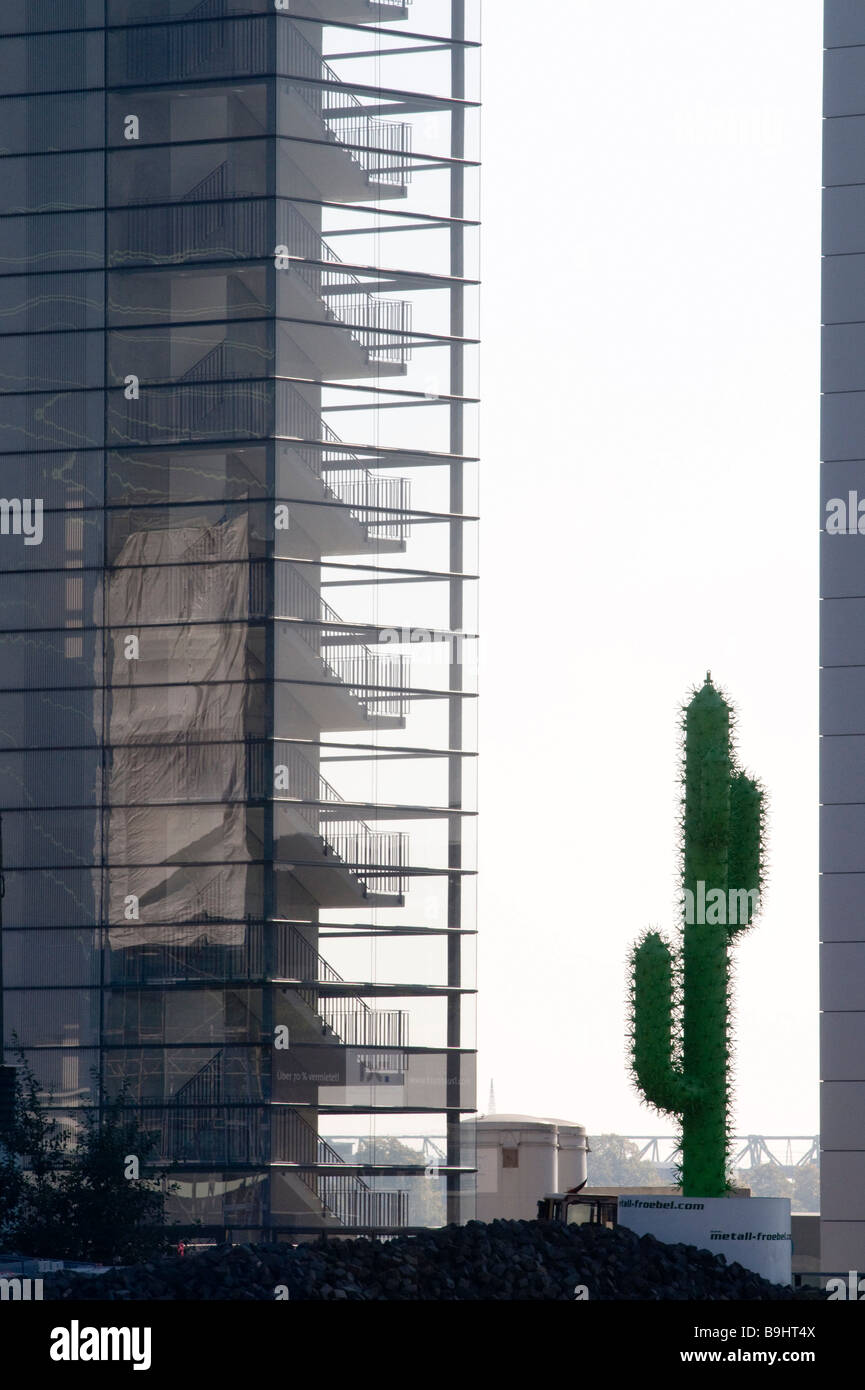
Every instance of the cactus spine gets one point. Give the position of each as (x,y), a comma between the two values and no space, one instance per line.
(680,1020)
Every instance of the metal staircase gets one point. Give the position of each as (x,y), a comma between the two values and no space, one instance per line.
(380,149)
(198,1126)
(322,629)
(348,1019)
(344,478)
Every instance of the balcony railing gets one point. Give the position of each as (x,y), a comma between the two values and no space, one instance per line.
(381,326)
(350,1018)
(236,228)
(347,1017)
(212,1134)
(194,49)
(192,413)
(205,1134)
(354,665)
(378,502)
(370,496)
(381,148)
(344,1195)
(374,856)
(163,963)
(365,1027)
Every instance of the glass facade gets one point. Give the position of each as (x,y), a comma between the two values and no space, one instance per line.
(238,467)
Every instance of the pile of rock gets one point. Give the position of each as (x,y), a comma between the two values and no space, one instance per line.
(504,1260)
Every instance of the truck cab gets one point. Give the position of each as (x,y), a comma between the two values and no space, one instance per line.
(575,1209)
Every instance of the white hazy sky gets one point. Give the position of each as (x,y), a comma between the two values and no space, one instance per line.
(650,437)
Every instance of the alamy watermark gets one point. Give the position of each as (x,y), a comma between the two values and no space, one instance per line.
(851,1289)
(22,516)
(735,907)
(20,1290)
(440,648)
(845,516)
(77,1343)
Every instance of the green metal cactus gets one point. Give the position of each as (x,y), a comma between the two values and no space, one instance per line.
(680,1020)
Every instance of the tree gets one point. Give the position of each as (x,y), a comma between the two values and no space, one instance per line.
(766,1180)
(32,1153)
(79,1195)
(615,1162)
(801,1185)
(806,1188)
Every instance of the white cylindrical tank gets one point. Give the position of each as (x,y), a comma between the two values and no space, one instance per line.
(521,1158)
(573,1164)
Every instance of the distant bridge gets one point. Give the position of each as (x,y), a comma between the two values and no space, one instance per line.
(748,1150)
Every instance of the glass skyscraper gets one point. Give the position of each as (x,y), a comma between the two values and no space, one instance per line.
(238,333)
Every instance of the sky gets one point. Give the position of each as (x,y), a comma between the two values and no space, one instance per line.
(650,313)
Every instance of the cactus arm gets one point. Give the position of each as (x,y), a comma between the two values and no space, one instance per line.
(652,1026)
(745,866)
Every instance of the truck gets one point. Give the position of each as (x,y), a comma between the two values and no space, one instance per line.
(575,1207)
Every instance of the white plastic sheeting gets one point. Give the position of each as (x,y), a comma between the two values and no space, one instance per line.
(182,863)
